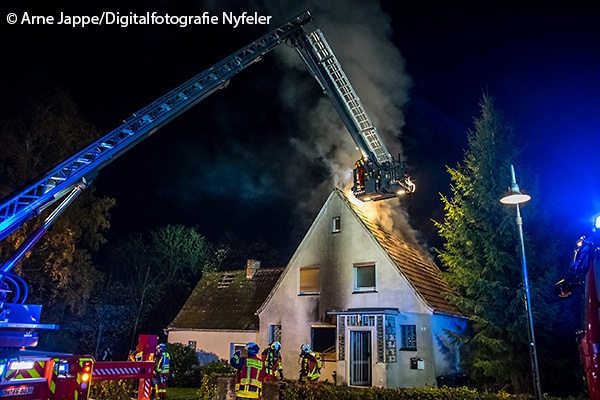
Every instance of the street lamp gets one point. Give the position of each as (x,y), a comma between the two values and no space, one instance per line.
(516,197)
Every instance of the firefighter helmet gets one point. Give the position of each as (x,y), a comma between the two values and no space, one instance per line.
(161,347)
(276,346)
(252,349)
(305,348)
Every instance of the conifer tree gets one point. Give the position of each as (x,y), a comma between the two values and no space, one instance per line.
(481,260)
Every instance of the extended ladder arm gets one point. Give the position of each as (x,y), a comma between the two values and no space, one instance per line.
(83,166)
(377,175)
(324,66)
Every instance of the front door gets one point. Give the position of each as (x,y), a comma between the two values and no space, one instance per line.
(360,358)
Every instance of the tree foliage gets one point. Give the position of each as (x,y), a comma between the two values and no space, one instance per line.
(169,254)
(40,127)
(181,252)
(165,264)
(481,258)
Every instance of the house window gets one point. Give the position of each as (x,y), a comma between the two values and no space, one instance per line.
(408,337)
(233,347)
(274,333)
(192,344)
(364,277)
(323,339)
(309,280)
(336,225)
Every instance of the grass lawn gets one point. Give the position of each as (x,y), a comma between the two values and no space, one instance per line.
(175,393)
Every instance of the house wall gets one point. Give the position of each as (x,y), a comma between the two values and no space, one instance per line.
(447,353)
(336,254)
(403,373)
(213,345)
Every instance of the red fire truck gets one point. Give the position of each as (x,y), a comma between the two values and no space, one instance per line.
(584,274)
(38,375)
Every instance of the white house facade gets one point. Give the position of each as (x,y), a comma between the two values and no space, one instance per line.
(372,304)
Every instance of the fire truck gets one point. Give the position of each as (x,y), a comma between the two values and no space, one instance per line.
(41,375)
(584,273)
(25,374)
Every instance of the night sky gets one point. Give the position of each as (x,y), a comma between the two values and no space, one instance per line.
(258,159)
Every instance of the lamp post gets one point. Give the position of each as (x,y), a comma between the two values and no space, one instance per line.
(516,197)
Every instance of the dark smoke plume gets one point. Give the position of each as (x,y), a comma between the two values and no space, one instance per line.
(359,33)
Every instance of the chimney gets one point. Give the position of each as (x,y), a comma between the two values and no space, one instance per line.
(251,267)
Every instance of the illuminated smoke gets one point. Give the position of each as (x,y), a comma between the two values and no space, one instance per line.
(359,34)
(322,152)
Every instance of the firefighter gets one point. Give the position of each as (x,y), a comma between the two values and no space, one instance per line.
(250,373)
(135,355)
(310,365)
(271,356)
(161,371)
(359,174)
(107,354)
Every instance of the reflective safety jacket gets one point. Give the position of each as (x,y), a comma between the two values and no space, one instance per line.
(250,376)
(273,367)
(163,364)
(310,367)
(136,356)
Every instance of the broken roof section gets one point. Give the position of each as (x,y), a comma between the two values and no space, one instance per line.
(227,300)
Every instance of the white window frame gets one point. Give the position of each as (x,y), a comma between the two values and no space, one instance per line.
(336,224)
(233,347)
(355,279)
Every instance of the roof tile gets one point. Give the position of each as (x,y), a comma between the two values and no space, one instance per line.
(226,300)
(413,262)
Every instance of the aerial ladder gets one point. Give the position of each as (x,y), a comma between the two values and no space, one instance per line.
(377,175)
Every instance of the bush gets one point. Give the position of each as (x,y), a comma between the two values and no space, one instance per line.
(328,391)
(113,390)
(185,370)
(210,373)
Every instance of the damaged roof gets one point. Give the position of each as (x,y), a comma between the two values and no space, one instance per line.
(226,301)
(412,261)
